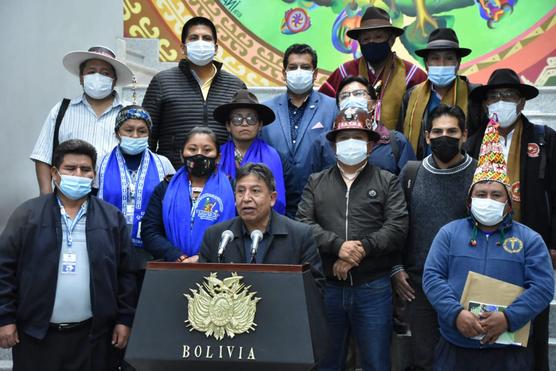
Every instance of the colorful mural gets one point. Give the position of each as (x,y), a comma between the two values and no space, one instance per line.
(252,34)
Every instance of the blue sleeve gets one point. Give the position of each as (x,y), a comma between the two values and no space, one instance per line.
(406,151)
(322,154)
(435,279)
(153,232)
(538,284)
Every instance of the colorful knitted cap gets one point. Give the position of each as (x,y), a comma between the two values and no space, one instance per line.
(492,165)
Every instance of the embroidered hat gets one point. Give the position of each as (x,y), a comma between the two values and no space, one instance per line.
(374,19)
(492,164)
(244,99)
(353,119)
(72,61)
(133,112)
(443,39)
(504,78)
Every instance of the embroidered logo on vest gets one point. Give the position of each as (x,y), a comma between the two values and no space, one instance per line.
(513,245)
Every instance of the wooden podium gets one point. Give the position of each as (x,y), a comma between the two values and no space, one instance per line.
(287,331)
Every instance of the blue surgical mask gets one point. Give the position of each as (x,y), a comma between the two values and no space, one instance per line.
(355,102)
(200,52)
(74,187)
(375,52)
(442,75)
(133,146)
(351,151)
(299,81)
(97,86)
(505,113)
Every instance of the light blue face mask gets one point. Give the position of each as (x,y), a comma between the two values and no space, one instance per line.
(351,151)
(133,146)
(355,102)
(74,187)
(299,81)
(442,75)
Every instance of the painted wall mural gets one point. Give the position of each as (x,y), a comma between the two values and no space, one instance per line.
(253,34)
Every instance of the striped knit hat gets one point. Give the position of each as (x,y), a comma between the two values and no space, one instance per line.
(492,165)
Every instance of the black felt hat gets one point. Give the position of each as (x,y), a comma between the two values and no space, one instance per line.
(443,39)
(374,19)
(504,78)
(244,99)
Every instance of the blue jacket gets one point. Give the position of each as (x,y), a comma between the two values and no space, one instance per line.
(514,253)
(382,155)
(300,159)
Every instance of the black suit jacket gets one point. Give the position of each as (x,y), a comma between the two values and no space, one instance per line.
(289,242)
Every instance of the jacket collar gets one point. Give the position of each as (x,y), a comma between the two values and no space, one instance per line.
(185,66)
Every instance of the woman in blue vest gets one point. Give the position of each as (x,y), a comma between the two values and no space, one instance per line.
(181,209)
(128,175)
(244,117)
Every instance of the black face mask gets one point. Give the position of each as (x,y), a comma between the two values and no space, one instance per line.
(375,52)
(200,165)
(445,148)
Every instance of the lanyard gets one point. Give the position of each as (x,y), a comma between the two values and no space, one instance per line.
(68,222)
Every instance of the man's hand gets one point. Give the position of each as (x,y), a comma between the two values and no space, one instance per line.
(352,252)
(120,335)
(402,286)
(8,336)
(192,259)
(494,324)
(468,324)
(341,269)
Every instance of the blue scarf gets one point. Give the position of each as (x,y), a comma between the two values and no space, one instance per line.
(114,185)
(258,152)
(184,223)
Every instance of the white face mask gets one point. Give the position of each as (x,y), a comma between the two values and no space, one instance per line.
(97,86)
(200,52)
(486,211)
(299,81)
(351,151)
(355,102)
(506,112)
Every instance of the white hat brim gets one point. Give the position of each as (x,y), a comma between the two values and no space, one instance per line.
(72,61)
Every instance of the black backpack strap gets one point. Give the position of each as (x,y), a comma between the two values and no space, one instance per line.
(411,170)
(540,131)
(59,118)
(395,146)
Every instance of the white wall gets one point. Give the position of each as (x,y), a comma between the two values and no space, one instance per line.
(36,36)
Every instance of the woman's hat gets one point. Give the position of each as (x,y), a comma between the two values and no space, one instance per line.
(244,99)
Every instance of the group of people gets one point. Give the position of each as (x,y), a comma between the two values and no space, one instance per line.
(328,177)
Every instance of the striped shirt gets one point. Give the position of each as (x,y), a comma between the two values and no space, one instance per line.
(80,122)
(72,302)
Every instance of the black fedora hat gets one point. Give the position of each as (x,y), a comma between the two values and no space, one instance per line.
(374,19)
(244,99)
(504,78)
(443,39)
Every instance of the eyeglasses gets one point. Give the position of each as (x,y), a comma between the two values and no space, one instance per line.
(237,120)
(505,95)
(355,93)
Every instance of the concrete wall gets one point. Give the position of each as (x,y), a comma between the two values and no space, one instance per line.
(36,36)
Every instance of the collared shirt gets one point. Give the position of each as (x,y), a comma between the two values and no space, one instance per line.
(262,249)
(349,178)
(72,302)
(506,144)
(80,122)
(205,85)
(295,115)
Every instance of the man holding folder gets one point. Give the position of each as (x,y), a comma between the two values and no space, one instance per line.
(490,243)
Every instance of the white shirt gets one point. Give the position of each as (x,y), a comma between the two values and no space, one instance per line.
(506,144)
(80,122)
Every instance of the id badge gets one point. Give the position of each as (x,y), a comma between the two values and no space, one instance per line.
(69,263)
(129,212)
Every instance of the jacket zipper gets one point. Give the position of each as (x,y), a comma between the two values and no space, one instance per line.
(485,254)
(347,229)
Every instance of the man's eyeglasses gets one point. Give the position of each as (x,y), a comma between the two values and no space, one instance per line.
(355,93)
(237,120)
(505,95)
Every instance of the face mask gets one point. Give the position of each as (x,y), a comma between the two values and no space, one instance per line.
(200,165)
(74,187)
(487,212)
(351,152)
(355,102)
(445,148)
(133,146)
(200,52)
(442,75)
(97,86)
(506,112)
(375,52)
(299,81)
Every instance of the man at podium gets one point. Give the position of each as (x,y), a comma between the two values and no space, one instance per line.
(259,234)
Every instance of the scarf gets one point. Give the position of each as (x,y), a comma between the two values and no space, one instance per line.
(185,222)
(514,166)
(394,84)
(115,186)
(419,100)
(258,152)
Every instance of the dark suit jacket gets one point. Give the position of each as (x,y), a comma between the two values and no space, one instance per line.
(290,242)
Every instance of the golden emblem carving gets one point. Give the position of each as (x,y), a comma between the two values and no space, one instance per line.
(222,307)
(513,245)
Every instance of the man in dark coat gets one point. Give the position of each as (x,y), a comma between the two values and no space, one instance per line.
(530,151)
